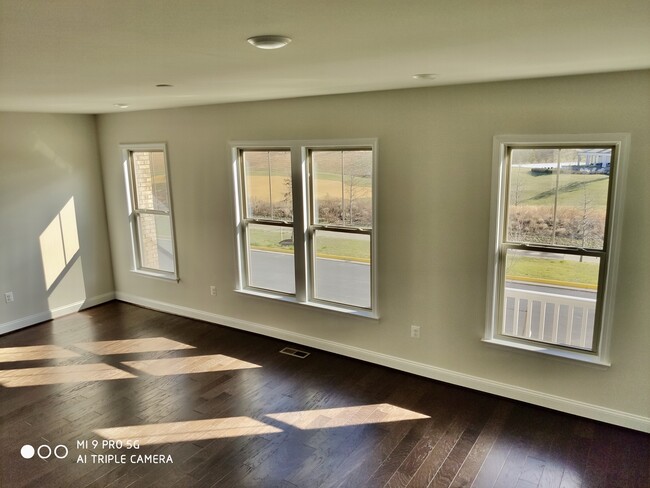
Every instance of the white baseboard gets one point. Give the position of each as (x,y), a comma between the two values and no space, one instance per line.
(55,313)
(554,402)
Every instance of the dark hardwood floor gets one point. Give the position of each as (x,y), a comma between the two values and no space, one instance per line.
(244,415)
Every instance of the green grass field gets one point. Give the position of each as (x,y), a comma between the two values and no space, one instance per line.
(579,274)
(351,248)
(532,191)
(540,190)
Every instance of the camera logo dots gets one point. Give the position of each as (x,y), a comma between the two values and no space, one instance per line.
(27,451)
(44,451)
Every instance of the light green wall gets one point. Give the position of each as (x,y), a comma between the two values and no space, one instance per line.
(435,148)
(51,201)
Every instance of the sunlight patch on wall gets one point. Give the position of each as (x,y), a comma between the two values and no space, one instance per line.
(346,416)
(194,364)
(34,353)
(126,346)
(53,375)
(51,155)
(192,430)
(59,243)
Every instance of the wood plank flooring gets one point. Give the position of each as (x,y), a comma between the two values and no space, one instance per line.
(244,415)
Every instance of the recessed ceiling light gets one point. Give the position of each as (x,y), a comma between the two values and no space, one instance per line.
(425,76)
(164,85)
(269,42)
(122,105)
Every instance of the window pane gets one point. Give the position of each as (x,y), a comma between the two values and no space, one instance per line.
(268,185)
(342,186)
(270,258)
(150,180)
(582,199)
(550,297)
(342,268)
(156,250)
(558,196)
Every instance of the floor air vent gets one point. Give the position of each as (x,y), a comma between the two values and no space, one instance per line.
(294,352)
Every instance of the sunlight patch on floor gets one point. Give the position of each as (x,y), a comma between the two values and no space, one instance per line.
(346,416)
(193,364)
(34,353)
(127,346)
(192,430)
(53,375)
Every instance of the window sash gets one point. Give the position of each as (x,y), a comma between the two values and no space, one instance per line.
(247,248)
(502,286)
(313,255)
(507,170)
(313,220)
(137,206)
(243,184)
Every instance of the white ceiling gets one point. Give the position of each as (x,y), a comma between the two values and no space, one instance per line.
(85,56)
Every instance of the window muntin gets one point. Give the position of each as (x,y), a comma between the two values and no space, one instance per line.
(323,193)
(150,210)
(555,227)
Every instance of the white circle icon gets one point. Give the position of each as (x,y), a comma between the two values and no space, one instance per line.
(27,451)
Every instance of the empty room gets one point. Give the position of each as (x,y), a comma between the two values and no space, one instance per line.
(314,243)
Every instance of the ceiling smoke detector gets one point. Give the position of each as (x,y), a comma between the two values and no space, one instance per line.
(269,42)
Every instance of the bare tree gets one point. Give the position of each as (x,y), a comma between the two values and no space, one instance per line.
(357,192)
(588,223)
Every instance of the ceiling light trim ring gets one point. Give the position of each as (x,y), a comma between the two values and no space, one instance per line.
(269,41)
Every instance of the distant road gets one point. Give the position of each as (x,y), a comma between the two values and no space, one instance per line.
(336,280)
(556,290)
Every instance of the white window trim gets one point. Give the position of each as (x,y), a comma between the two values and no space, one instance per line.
(621,141)
(136,266)
(299,150)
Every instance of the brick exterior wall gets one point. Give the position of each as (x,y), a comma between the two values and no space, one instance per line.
(143,165)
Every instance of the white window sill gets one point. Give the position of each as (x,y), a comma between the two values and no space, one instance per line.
(584,357)
(153,274)
(368,314)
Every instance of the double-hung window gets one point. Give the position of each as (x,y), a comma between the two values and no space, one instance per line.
(306,222)
(150,210)
(556,218)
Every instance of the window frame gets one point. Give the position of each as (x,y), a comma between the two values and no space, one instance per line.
(134,211)
(603,325)
(609,255)
(302,192)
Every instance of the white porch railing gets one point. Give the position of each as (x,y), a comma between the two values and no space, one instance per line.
(549,317)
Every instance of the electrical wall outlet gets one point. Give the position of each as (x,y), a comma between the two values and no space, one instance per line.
(9,297)
(213,290)
(415,331)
